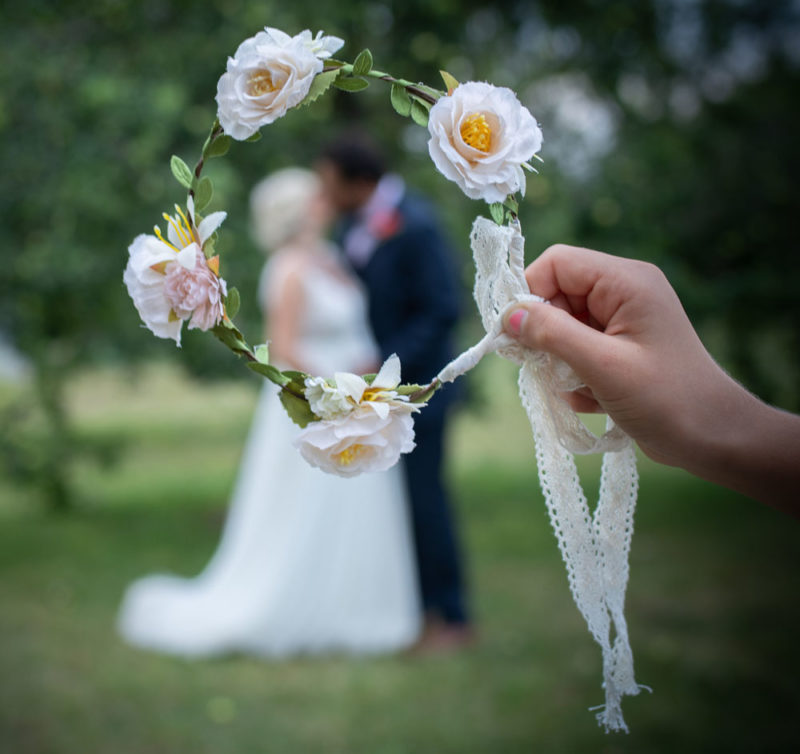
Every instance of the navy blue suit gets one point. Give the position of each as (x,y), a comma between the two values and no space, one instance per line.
(413,307)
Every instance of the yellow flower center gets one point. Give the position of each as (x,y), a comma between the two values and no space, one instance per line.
(476,132)
(348,455)
(371,393)
(182,227)
(260,83)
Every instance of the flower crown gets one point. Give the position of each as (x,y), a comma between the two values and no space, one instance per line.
(481,137)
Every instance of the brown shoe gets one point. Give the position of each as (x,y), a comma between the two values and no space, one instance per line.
(444,638)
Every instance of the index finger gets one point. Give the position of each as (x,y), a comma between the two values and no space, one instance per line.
(568,270)
(589,284)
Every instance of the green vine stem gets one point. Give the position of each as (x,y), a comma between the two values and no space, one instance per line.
(428,94)
(226,331)
(214,134)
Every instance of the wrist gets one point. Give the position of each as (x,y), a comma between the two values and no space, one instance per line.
(748,446)
(722,434)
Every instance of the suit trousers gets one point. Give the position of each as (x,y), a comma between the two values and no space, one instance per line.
(432,518)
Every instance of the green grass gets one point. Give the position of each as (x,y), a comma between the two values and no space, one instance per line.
(712,608)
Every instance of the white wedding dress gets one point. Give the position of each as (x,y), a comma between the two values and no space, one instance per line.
(308,562)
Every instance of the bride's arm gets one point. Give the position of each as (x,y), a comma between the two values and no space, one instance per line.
(284,313)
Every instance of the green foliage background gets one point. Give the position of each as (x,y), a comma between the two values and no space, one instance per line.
(711,607)
(685,155)
(669,136)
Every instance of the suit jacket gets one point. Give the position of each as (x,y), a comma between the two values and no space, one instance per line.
(413,291)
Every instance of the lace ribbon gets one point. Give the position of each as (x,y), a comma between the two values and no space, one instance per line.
(594,546)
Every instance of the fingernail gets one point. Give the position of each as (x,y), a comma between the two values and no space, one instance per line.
(516,320)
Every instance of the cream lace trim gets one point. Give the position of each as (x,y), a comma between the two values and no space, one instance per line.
(594,546)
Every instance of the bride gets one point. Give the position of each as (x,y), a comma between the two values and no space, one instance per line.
(308,562)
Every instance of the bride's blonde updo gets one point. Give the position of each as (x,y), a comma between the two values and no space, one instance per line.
(279,206)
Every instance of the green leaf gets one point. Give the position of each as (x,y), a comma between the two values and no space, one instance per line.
(297,378)
(181,171)
(255,137)
(450,81)
(498,212)
(420,393)
(218,147)
(273,374)
(407,389)
(351,84)
(261,352)
(228,334)
(419,113)
(401,102)
(321,83)
(435,93)
(512,204)
(203,193)
(424,397)
(232,301)
(298,409)
(362,65)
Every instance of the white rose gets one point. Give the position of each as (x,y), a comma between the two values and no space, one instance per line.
(270,73)
(360,441)
(326,401)
(480,137)
(329,400)
(380,394)
(146,286)
(323,47)
(364,426)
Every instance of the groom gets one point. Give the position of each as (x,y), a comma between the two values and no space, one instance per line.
(394,244)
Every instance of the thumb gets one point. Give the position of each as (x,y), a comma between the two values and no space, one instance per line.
(547,328)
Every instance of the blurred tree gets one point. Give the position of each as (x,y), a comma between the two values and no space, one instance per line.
(669,136)
(94,99)
(700,175)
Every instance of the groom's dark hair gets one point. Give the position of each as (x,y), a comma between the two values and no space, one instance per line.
(357,158)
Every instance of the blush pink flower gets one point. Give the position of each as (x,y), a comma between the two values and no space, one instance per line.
(171,281)
(195,294)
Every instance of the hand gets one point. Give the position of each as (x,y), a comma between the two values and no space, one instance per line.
(619,324)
